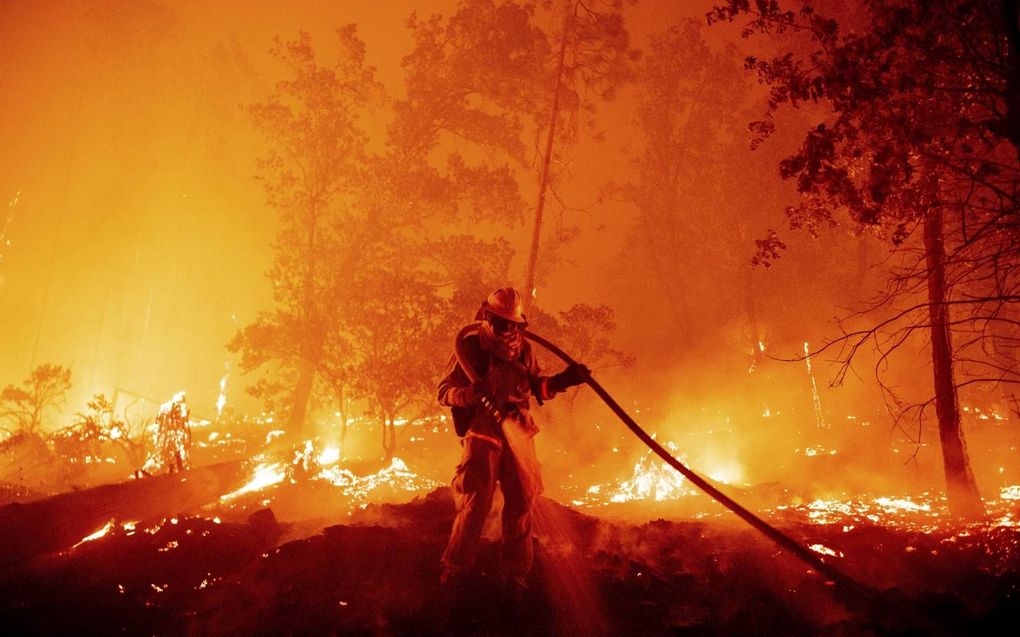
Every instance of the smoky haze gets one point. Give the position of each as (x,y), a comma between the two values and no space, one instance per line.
(137,241)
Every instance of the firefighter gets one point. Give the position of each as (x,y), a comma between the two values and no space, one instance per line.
(493,417)
(173,434)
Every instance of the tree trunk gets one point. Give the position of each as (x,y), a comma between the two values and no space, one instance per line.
(961,488)
(299,399)
(751,310)
(543,181)
(389,441)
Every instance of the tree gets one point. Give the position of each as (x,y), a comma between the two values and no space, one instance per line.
(316,156)
(366,267)
(488,75)
(693,197)
(918,136)
(27,406)
(395,339)
(593,59)
(81,442)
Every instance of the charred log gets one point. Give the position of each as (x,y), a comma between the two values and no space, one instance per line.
(34,528)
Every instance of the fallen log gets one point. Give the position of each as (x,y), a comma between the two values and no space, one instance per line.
(34,528)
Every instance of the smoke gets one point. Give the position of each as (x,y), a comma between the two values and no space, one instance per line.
(140,243)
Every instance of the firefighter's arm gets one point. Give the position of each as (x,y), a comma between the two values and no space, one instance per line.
(456,390)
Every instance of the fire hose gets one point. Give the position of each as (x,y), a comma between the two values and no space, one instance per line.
(806,555)
(843,581)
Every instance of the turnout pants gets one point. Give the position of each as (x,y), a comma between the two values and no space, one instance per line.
(484,462)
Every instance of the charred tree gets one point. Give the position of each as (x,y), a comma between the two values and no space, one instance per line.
(962,490)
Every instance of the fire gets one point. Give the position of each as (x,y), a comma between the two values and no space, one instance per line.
(263,476)
(329,455)
(396,475)
(816,399)
(924,513)
(96,535)
(221,401)
(901,504)
(651,479)
(824,550)
(309,462)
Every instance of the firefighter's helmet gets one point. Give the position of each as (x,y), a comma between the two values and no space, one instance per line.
(506,303)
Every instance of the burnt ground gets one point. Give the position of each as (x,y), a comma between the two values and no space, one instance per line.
(378,574)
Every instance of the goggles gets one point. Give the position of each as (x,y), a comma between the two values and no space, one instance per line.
(501,325)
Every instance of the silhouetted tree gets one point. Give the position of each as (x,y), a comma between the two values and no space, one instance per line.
(593,59)
(367,267)
(692,189)
(316,156)
(489,75)
(919,135)
(26,406)
(86,440)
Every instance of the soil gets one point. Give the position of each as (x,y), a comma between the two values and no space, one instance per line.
(378,574)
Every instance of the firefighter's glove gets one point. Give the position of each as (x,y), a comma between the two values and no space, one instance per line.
(473,393)
(571,376)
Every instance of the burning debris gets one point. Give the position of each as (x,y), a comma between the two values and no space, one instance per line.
(172,437)
(197,574)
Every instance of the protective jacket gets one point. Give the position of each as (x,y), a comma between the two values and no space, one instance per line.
(512,383)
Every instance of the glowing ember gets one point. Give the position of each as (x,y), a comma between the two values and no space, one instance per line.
(892,504)
(816,400)
(4,241)
(924,513)
(329,455)
(264,476)
(1010,493)
(824,550)
(651,479)
(397,475)
(95,536)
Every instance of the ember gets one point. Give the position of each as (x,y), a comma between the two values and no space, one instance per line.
(95,536)
(265,475)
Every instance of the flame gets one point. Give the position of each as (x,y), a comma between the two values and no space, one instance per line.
(924,513)
(816,399)
(651,479)
(264,475)
(329,455)
(221,401)
(824,550)
(96,535)
(396,475)
(893,504)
